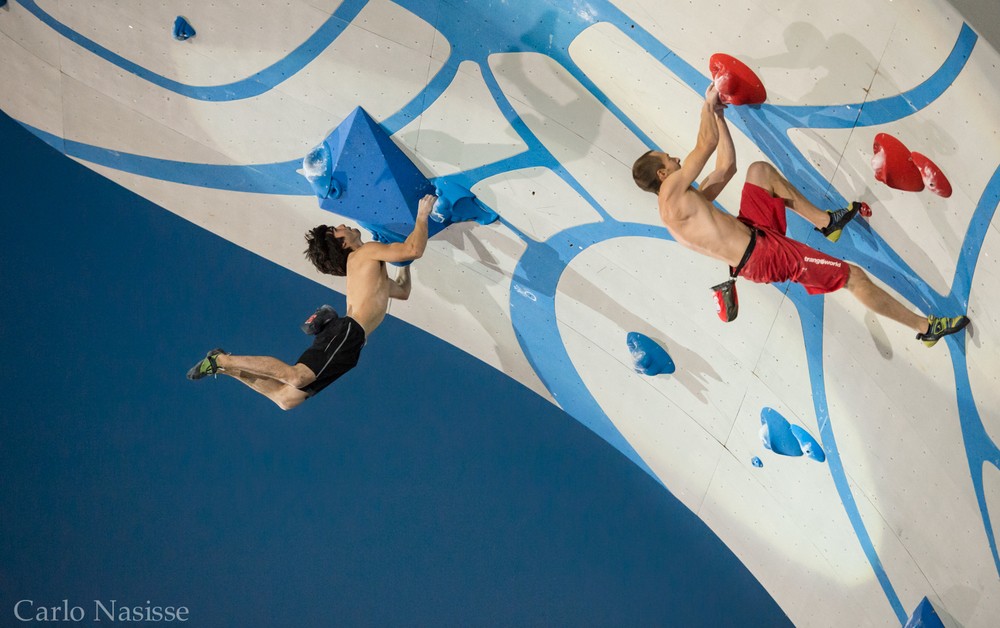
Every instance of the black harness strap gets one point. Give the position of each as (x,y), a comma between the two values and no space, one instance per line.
(734,272)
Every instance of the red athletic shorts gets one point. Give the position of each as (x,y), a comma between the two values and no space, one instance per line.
(776,257)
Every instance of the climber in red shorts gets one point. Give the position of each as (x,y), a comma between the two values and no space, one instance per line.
(779,258)
(754,244)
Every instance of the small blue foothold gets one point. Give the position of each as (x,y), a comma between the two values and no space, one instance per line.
(755,461)
(3,3)
(182,30)
(650,358)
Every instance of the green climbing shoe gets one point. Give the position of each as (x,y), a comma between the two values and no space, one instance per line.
(939,327)
(838,219)
(207,366)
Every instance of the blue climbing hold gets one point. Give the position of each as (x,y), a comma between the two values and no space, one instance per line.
(809,445)
(924,616)
(650,358)
(778,435)
(359,172)
(455,203)
(182,30)
(755,461)
(3,3)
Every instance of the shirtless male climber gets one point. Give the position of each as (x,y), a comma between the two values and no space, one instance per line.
(754,244)
(337,346)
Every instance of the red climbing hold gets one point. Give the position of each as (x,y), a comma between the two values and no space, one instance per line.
(933,178)
(865,210)
(893,165)
(736,83)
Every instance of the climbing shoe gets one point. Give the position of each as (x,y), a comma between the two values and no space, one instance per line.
(838,219)
(939,327)
(207,366)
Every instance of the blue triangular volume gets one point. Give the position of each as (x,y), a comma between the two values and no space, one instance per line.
(380,185)
(924,616)
(182,30)
(359,172)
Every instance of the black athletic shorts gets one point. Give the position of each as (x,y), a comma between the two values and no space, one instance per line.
(335,351)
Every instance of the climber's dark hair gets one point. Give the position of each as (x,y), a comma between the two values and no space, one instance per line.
(326,251)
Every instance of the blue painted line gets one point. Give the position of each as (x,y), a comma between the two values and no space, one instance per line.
(535,145)
(277,178)
(592,88)
(254,85)
(422,101)
(980,447)
(526,159)
(533,315)
(811,309)
(884,110)
(972,245)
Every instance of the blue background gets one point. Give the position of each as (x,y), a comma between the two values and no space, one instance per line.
(422,488)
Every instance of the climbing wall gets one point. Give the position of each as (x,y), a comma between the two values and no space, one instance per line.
(539,109)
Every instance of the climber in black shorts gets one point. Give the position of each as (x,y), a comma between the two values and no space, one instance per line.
(338,343)
(335,351)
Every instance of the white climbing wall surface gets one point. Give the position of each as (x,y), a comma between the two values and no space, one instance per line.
(540,107)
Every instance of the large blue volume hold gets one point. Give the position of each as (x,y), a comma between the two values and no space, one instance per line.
(359,172)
